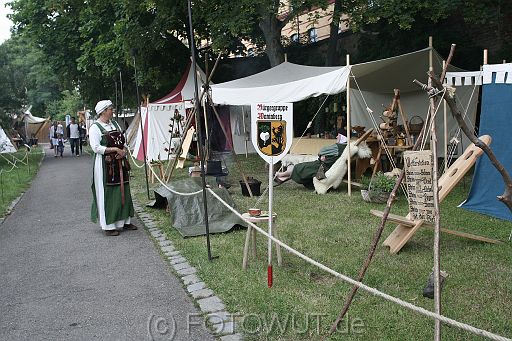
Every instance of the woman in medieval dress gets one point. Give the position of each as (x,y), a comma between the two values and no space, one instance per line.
(113,209)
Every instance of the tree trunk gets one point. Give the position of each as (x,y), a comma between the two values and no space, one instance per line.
(271,28)
(331,57)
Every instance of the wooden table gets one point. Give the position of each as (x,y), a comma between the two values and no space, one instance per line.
(250,237)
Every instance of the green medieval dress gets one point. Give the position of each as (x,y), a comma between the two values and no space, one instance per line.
(107,204)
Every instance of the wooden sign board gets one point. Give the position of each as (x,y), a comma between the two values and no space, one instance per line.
(419,181)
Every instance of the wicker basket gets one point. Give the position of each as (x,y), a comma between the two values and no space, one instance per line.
(415,125)
(374,196)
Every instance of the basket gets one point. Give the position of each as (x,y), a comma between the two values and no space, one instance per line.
(415,125)
(254,184)
(374,196)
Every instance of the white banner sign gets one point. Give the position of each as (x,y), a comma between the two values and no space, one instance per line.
(272,129)
(419,181)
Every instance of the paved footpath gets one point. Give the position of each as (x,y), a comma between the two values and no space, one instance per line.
(61,278)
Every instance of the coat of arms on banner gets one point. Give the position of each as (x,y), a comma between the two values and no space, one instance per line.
(271,129)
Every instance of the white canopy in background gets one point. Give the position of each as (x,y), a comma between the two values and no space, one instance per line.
(372,86)
(31,119)
(6,145)
(286,82)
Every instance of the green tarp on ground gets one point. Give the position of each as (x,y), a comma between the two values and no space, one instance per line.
(187,211)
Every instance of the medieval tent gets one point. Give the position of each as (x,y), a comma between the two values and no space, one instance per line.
(35,127)
(372,87)
(496,121)
(6,145)
(159,117)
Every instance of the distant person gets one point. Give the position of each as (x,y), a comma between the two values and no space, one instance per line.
(112,201)
(55,130)
(82,135)
(60,145)
(73,132)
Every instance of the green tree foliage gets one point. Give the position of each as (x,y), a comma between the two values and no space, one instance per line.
(25,78)
(69,104)
(88,43)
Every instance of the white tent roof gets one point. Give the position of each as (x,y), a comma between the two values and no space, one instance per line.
(372,87)
(6,145)
(286,82)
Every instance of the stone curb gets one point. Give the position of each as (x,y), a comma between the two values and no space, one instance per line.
(219,320)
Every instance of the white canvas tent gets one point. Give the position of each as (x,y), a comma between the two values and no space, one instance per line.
(372,84)
(6,145)
(156,117)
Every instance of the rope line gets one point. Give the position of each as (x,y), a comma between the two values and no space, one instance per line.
(371,290)
(367,288)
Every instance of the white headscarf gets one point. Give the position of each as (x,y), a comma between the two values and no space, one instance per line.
(102,105)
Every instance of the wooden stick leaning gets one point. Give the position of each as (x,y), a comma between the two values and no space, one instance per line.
(377,234)
(186,126)
(376,237)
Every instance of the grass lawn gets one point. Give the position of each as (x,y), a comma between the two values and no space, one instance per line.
(15,180)
(336,230)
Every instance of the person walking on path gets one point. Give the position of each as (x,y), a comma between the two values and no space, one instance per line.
(112,202)
(73,132)
(82,132)
(55,130)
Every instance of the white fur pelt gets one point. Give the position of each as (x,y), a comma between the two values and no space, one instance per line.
(335,174)
(293,159)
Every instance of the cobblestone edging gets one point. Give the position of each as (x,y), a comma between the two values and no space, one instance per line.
(220,321)
(13,204)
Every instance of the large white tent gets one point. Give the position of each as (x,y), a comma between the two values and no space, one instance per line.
(157,117)
(371,86)
(6,145)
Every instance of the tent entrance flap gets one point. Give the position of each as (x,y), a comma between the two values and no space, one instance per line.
(495,120)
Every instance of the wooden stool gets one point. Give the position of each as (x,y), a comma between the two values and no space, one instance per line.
(250,236)
(157,168)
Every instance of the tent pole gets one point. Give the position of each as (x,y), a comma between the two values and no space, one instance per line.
(430,53)
(207,139)
(122,96)
(245,133)
(437,288)
(445,122)
(349,130)
(199,133)
(133,52)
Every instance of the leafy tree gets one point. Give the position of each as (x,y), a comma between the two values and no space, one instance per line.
(25,78)
(257,20)
(69,104)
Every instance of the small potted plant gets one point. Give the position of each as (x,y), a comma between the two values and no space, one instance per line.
(377,188)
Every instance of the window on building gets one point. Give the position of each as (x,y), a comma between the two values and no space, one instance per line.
(294,38)
(313,35)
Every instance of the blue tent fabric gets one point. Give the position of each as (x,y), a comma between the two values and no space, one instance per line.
(496,121)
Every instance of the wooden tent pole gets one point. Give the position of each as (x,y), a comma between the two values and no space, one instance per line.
(437,289)
(378,233)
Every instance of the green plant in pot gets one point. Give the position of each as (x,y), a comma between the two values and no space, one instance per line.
(377,188)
